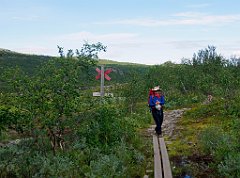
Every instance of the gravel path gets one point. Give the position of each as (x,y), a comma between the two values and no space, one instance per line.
(169,122)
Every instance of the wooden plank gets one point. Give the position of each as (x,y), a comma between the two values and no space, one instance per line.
(157,160)
(96,94)
(165,159)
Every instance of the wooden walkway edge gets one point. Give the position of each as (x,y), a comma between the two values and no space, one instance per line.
(162,168)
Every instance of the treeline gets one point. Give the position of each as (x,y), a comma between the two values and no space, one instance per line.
(30,64)
(206,73)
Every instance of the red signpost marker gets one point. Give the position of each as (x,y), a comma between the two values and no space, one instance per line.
(99,73)
(102,75)
(105,74)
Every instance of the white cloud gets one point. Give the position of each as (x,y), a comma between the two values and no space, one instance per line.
(189,14)
(114,41)
(118,44)
(203,19)
(87,36)
(199,5)
(184,18)
(26,18)
(188,44)
(236,53)
(34,50)
(130,47)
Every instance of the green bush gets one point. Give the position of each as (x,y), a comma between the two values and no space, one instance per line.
(214,141)
(104,140)
(230,166)
(224,147)
(105,127)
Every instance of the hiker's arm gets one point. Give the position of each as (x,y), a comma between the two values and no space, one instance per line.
(162,100)
(151,102)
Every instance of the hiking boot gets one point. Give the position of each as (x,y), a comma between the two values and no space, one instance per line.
(159,133)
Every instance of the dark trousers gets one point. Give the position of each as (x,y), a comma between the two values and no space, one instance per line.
(158,118)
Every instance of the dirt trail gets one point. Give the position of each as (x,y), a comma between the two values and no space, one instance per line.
(169,122)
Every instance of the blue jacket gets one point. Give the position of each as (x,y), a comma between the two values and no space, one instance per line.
(153,100)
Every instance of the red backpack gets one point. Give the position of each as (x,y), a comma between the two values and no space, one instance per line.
(151,93)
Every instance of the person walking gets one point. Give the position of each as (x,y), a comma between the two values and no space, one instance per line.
(156,102)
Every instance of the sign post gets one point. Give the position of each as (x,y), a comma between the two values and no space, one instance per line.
(102,74)
(102,81)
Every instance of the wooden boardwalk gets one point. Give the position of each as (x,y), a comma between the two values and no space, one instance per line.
(162,168)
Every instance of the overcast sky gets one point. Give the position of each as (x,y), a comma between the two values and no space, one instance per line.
(140,31)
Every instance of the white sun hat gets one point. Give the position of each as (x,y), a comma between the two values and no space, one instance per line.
(157,88)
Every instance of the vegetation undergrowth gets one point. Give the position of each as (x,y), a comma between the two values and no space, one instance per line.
(61,130)
(206,142)
(106,140)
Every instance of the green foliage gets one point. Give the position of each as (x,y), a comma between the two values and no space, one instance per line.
(28,63)
(213,126)
(68,133)
(105,128)
(91,50)
(110,151)
(216,142)
(23,161)
(12,117)
(68,128)
(207,73)
(133,91)
(7,117)
(53,97)
(207,56)
(230,166)
(105,140)
(224,148)
(177,100)
(87,55)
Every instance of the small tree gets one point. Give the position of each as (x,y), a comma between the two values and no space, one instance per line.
(133,92)
(87,55)
(53,97)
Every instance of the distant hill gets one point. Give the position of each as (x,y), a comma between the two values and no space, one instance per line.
(107,62)
(25,61)
(29,64)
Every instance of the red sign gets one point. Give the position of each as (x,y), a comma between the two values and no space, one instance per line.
(108,71)
(99,73)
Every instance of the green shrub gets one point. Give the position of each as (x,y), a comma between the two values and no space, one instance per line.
(230,166)
(224,147)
